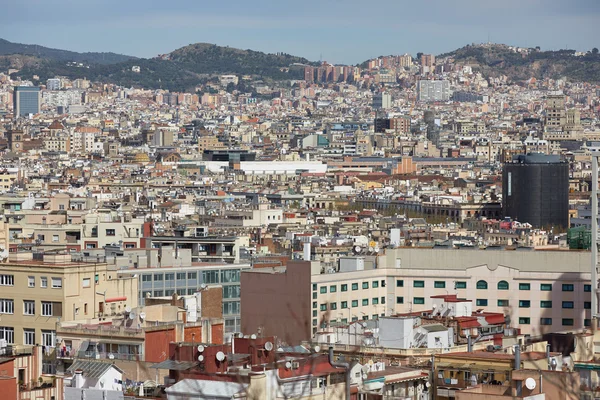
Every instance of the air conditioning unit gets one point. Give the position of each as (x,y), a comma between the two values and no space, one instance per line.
(295,365)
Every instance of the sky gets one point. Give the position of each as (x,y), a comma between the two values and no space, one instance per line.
(337,31)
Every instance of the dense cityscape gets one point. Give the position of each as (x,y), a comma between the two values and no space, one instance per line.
(413,227)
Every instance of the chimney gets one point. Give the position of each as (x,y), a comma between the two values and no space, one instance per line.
(77,381)
(518,367)
(469,344)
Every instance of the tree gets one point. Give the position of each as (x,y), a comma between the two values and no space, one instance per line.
(595,50)
(419,54)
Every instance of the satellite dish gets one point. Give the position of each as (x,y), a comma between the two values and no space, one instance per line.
(268,346)
(253,336)
(530,383)
(357,249)
(203,286)
(288,365)
(370,249)
(111,356)
(143,315)
(317,348)
(427,384)
(376,249)
(127,309)
(200,358)
(220,356)
(132,315)
(200,348)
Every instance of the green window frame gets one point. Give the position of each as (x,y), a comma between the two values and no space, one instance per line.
(315,304)
(332,288)
(419,284)
(365,285)
(568,321)
(354,303)
(344,288)
(546,287)
(524,303)
(546,304)
(399,300)
(482,285)
(524,320)
(419,300)
(375,301)
(344,304)
(365,302)
(355,286)
(323,289)
(524,286)
(439,284)
(333,306)
(375,284)
(382,299)
(545,321)
(502,303)
(323,307)
(568,304)
(460,285)
(568,287)
(399,283)
(481,302)
(503,285)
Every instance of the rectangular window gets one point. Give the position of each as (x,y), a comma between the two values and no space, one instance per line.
(365,285)
(29,336)
(524,303)
(399,283)
(208,277)
(481,302)
(587,288)
(545,321)
(55,238)
(48,338)
(355,286)
(333,306)
(323,289)
(7,333)
(375,301)
(375,284)
(567,287)
(332,289)
(567,304)
(46,309)
(28,307)
(524,320)
(146,278)
(315,295)
(419,284)
(110,232)
(229,275)
(587,322)
(460,285)
(439,284)
(399,300)
(314,304)
(232,292)
(546,287)
(7,280)
(344,288)
(30,281)
(354,303)
(56,283)
(567,321)
(86,282)
(502,303)
(419,300)
(7,306)
(344,304)
(587,305)
(382,300)
(314,286)
(169,276)
(365,302)
(315,313)
(323,307)
(546,304)
(192,276)
(158,277)
(524,286)
(181,276)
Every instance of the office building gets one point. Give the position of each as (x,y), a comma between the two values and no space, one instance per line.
(536,190)
(26,100)
(53,84)
(382,101)
(433,90)
(397,124)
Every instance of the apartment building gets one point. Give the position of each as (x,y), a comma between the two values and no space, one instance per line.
(37,293)
(104,227)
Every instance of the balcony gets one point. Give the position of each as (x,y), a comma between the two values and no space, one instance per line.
(101,330)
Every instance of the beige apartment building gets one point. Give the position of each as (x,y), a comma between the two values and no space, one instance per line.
(539,291)
(38,293)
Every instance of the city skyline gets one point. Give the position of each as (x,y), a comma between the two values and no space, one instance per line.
(347,35)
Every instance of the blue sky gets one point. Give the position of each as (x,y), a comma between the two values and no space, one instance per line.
(342,31)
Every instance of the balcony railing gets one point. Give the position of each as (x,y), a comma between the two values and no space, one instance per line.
(102,330)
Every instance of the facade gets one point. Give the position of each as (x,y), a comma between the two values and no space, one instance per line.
(536,190)
(53,84)
(26,100)
(433,90)
(382,101)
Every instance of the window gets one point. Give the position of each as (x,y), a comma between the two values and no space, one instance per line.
(56,283)
(332,289)
(232,292)
(375,284)
(502,303)
(46,309)
(208,277)
(323,289)
(587,305)
(110,232)
(567,321)
(48,338)
(365,285)
(355,286)
(439,284)
(146,278)
(85,308)
(481,302)
(30,281)
(159,293)
(28,307)
(315,295)
(55,238)
(192,276)
(315,313)
(375,301)
(524,303)
(314,304)
(158,277)
(567,304)
(86,282)
(546,287)
(354,303)
(419,300)
(460,285)
(344,304)
(502,285)
(419,284)
(587,288)
(524,286)
(323,307)
(7,306)
(399,283)
(567,287)
(482,285)
(546,304)
(333,306)
(382,300)
(545,321)
(524,320)
(399,300)
(228,276)
(29,336)
(7,280)
(314,322)
(181,276)
(382,283)
(8,334)
(344,288)
(170,276)
(231,308)
(365,302)
(587,322)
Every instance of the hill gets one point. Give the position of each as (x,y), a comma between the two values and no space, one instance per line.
(496,59)
(9,48)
